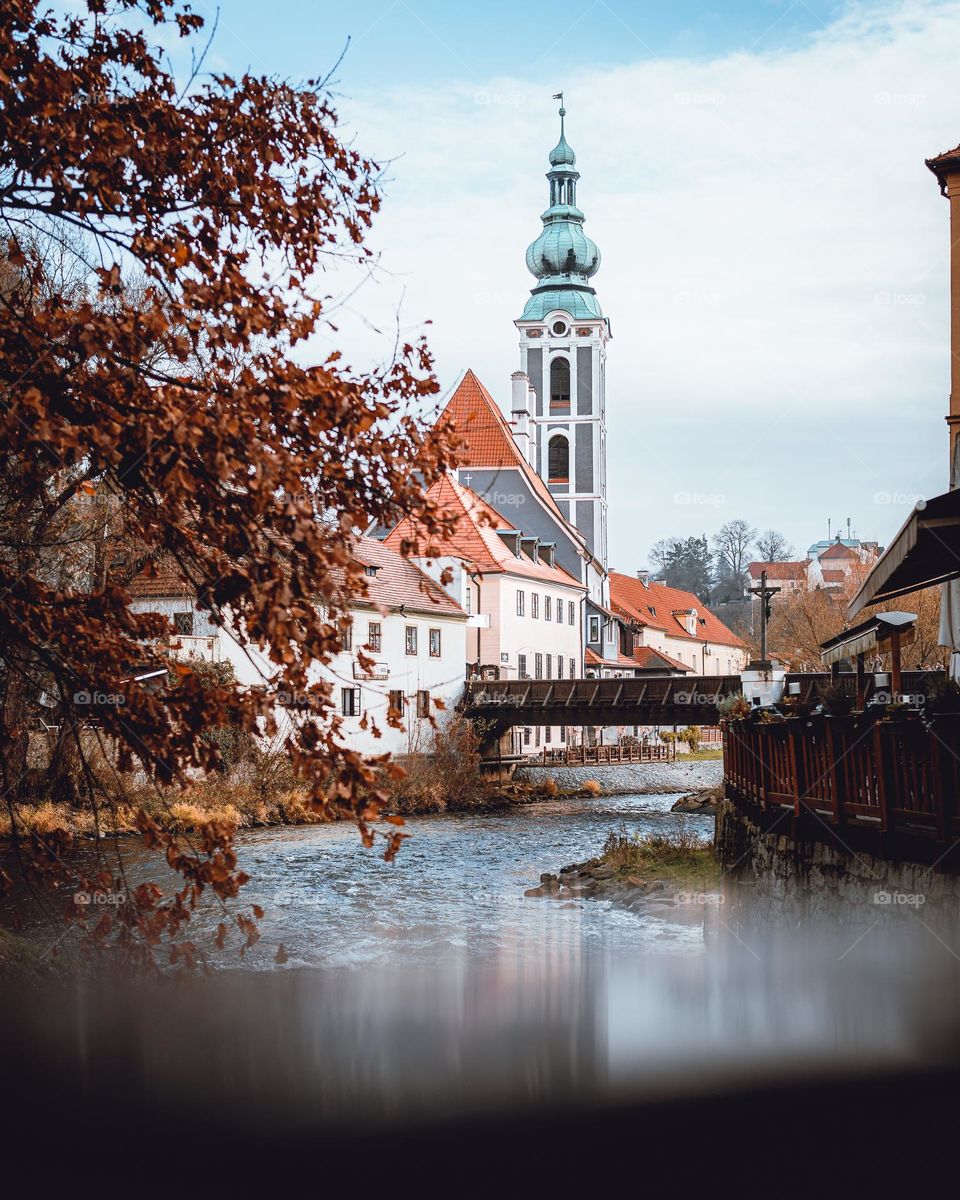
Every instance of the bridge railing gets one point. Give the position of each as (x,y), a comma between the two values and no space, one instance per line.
(899,776)
(690,692)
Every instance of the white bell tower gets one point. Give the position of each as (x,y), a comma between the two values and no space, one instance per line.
(563,349)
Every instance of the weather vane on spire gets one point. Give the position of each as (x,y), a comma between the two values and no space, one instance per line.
(563,111)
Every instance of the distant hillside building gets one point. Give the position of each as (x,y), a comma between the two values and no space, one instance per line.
(830,564)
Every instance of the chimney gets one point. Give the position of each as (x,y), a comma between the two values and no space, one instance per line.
(848,528)
(521,412)
(643,576)
(532,408)
(946,167)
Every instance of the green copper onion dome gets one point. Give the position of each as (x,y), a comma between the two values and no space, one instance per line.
(562,258)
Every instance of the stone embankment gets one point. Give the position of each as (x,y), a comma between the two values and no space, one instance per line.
(622,779)
(669,899)
(703,802)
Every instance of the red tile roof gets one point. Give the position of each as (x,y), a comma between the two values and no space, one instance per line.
(476,418)
(160,577)
(474,538)
(944,165)
(397,581)
(839,550)
(649,659)
(834,576)
(778,570)
(634,599)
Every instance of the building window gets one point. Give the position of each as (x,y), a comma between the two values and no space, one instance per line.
(183,623)
(547,608)
(423,704)
(560,609)
(347,635)
(350,701)
(538,666)
(538,736)
(521,666)
(560,383)
(411,639)
(548,734)
(534,605)
(526,737)
(573,668)
(559,666)
(571,620)
(549,666)
(371,570)
(468,600)
(374,637)
(594,637)
(520,602)
(395,701)
(558,460)
(434,643)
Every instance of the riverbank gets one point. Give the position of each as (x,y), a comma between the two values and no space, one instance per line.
(187,810)
(630,779)
(660,874)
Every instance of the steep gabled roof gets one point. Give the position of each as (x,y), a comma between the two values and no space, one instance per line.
(839,550)
(476,418)
(635,600)
(474,538)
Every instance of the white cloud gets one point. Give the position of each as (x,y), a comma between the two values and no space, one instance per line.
(774,264)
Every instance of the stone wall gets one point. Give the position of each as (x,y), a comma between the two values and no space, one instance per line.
(808,879)
(621,779)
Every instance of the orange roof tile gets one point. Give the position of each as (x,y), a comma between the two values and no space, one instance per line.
(839,550)
(474,538)
(476,418)
(635,600)
(647,658)
(778,570)
(834,576)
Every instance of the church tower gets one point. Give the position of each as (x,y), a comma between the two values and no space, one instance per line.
(563,340)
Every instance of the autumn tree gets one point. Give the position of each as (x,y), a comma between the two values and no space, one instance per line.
(185,419)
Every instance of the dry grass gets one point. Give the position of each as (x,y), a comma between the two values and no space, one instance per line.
(592,787)
(677,855)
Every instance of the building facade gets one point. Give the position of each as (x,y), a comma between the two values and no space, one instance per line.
(412,630)
(525,608)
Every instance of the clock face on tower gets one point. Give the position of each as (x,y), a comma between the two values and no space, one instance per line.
(559,328)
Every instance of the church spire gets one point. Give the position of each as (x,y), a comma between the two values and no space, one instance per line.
(562,258)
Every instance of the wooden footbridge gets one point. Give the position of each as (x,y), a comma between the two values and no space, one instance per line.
(679,700)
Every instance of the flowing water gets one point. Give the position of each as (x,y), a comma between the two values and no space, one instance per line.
(432,983)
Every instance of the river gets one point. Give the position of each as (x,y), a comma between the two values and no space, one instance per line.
(433,983)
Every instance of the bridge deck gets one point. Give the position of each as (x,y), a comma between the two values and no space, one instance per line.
(690,700)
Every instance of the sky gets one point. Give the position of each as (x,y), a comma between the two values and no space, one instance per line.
(775,252)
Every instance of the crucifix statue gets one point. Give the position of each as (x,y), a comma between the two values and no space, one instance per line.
(765,592)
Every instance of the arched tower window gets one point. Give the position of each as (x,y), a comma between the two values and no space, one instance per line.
(558,460)
(560,385)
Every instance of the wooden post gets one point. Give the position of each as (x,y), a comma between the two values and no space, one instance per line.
(861,683)
(895,659)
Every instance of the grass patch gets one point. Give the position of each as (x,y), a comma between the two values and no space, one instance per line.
(677,856)
(700,756)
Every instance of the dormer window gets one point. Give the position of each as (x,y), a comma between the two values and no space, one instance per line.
(371,570)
